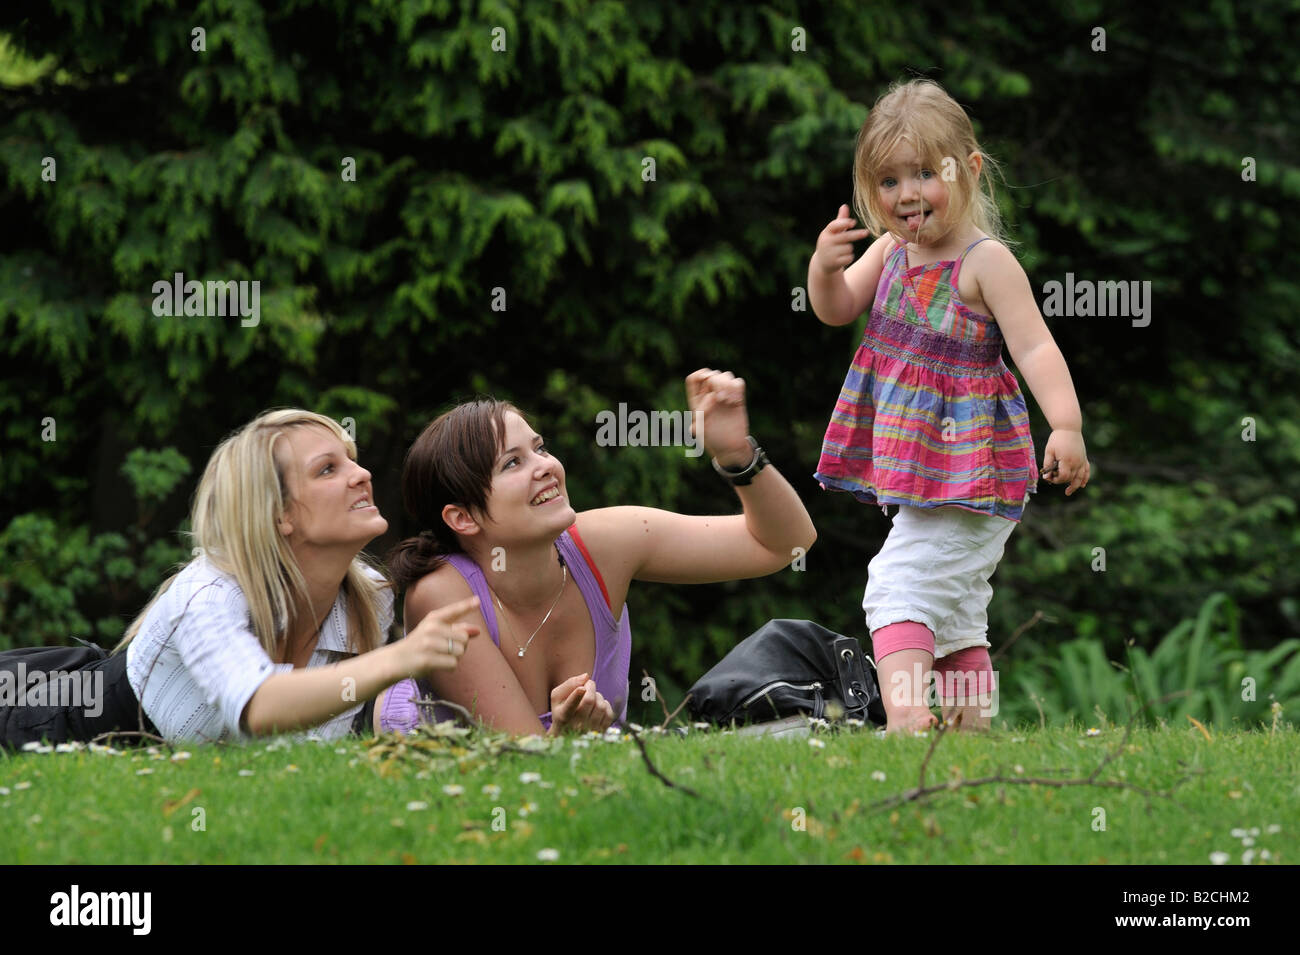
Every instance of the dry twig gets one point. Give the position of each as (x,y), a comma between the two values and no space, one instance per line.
(1015,635)
(673,715)
(668,717)
(654,771)
(428,702)
(662,702)
(922,791)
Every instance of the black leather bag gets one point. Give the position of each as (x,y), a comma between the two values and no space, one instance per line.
(787,667)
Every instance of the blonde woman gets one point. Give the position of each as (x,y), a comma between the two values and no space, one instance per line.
(278,624)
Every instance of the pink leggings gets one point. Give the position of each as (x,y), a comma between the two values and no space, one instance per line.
(910,635)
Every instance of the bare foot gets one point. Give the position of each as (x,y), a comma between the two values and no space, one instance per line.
(909,721)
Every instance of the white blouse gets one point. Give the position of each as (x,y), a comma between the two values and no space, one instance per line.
(195,662)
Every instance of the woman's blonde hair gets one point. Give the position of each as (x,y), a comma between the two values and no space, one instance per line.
(920,113)
(241,498)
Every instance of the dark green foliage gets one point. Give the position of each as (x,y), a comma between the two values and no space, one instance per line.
(521,170)
(1198,669)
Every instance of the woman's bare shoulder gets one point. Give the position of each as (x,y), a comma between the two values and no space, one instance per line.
(435,589)
(609,526)
(611,534)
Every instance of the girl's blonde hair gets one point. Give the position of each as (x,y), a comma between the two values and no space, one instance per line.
(920,113)
(241,498)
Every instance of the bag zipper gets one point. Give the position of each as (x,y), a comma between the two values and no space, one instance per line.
(772,686)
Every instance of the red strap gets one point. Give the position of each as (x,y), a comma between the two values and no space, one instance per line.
(595,572)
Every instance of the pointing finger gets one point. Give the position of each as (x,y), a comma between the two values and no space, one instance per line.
(452,612)
(444,616)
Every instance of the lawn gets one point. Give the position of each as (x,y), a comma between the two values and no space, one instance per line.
(1196,797)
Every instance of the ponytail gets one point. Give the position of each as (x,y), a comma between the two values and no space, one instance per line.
(413,557)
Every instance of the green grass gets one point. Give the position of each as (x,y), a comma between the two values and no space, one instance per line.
(333,802)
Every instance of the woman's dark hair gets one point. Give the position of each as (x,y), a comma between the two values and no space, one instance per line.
(449,463)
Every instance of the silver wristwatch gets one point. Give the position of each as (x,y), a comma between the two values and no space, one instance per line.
(744,476)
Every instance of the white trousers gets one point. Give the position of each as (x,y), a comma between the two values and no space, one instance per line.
(934,568)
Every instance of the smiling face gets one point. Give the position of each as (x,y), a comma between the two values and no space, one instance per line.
(528,493)
(915,197)
(331,500)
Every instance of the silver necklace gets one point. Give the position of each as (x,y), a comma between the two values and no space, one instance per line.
(524,649)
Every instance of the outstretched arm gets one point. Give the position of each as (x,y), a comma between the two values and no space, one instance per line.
(650,544)
(300,699)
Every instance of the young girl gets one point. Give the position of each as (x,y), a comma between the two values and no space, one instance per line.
(929,418)
(276,625)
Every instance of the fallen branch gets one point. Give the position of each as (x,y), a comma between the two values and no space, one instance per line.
(1015,635)
(938,735)
(922,791)
(668,717)
(662,702)
(645,755)
(654,771)
(673,715)
(913,795)
(428,702)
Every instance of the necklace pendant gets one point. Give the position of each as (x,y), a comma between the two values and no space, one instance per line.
(521,651)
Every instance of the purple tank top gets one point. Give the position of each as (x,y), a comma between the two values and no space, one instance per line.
(613,638)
